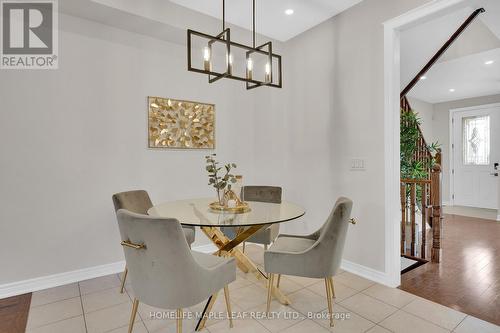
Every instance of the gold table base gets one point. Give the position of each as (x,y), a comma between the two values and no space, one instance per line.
(227,248)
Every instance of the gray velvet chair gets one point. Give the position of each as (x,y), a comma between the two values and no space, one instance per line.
(139,202)
(270,194)
(314,256)
(164,271)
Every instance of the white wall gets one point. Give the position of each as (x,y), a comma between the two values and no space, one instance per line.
(334,107)
(425,112)
(441,130)
(475,39)
(70,138)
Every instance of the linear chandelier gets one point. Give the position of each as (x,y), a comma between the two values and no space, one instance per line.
(256,65)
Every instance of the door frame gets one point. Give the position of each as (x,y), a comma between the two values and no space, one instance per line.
(392,174)
(451,158)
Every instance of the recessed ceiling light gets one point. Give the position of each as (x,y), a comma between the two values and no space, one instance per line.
(423,77)
(452,90)
(289,11)
(489,62)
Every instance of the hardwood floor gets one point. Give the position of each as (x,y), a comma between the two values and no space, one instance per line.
(14,313)
(468,278)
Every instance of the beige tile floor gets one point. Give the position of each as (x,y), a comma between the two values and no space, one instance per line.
(360,306)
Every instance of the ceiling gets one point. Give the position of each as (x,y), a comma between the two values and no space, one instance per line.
(271,19)
(469,76)
(492,16)
(462,67)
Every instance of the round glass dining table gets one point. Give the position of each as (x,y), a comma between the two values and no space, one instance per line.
(196,212)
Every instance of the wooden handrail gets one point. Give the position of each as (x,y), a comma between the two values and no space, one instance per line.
(415,181)
(442,50)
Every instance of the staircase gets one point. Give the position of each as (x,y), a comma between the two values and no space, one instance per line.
(421,201)
(423,194)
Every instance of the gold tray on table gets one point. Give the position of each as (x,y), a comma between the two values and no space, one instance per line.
(241,208)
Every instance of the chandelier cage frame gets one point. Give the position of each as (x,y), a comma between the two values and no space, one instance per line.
(224,37)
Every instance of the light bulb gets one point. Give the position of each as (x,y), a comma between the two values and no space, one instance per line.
(206,59)
(250,64)
(229,60)
(206,54)
(249,69)
(268,73)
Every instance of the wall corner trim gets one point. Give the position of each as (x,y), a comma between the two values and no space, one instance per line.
(55,280)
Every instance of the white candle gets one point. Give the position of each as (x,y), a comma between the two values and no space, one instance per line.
(249,68)
(206,58)
(230,64)
(268,73)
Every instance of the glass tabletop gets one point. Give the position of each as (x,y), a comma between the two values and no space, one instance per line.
(195,212)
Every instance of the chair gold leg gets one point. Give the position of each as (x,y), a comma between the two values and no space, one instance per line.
(135,306)
(179,320)
(228,307)
(124,277)
(329,299)
(270,292)
(243,247)
(332,287)
(279,280)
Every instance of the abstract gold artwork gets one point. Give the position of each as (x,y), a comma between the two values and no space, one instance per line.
(181,124)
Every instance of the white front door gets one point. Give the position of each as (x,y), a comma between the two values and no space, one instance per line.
(476,153)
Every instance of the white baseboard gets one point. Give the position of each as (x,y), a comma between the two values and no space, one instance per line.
(363,271)
(55,280)
(446,203)
(366,272)
(498,217)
